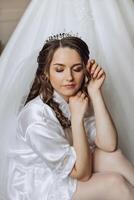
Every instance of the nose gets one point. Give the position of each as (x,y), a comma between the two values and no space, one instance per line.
(69,75)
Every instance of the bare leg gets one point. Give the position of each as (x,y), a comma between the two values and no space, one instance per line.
(104,186)
(113,162)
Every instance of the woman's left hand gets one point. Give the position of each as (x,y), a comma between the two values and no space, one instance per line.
(97,77)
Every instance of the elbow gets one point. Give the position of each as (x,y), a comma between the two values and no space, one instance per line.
(83,177)
(108,147)
(111,148)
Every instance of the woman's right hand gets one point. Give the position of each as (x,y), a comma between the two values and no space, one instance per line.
(78,105)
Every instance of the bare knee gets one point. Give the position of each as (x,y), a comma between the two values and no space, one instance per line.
(112,184)
(116,179)
(119,186)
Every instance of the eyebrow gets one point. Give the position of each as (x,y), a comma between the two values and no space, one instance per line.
(60,64)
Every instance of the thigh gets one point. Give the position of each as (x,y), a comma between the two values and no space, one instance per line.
(100,186)
(113,162)
(106,161)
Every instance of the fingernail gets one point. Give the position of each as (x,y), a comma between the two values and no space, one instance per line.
(92,61)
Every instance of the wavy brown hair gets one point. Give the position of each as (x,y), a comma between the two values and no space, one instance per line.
(42,85)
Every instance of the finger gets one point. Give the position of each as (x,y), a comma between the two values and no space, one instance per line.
(93,68)
(102,77)
(101,72)
(83,95)
(86,98)
(97,70)
(79,93)
(90,63)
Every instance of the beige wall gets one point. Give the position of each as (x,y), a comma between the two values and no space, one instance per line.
(10,13)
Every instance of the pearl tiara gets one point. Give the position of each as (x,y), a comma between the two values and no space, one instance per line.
(60,36)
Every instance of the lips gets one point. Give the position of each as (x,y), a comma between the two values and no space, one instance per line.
(70,85)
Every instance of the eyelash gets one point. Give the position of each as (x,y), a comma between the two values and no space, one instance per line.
(79,69)
(76,70)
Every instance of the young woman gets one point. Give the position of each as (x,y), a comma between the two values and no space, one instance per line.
(66,151)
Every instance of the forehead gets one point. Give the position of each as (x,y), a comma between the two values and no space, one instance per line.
(66,55)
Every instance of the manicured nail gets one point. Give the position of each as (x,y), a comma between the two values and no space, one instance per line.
(92,61)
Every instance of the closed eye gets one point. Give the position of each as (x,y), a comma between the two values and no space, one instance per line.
(78,69)
(59,70)
(74,68)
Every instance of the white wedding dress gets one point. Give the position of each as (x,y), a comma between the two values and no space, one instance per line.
(108,29)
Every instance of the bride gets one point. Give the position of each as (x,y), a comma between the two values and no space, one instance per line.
(65,152)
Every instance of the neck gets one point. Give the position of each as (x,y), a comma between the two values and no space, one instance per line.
(66,98)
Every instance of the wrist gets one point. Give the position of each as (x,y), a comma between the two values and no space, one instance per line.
(77,119)
(95,94)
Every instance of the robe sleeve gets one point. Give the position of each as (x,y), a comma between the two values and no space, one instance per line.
(46,138)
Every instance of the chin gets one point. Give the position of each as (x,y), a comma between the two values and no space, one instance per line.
(69,93)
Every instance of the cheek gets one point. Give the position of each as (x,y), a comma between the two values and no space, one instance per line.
(55,78)
(79,78)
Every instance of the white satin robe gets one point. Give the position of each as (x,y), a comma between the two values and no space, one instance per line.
(39,169)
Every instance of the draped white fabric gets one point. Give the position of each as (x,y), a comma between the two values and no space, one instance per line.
(108,29)
(39,168)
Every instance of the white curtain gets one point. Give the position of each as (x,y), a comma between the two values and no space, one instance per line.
(108,29)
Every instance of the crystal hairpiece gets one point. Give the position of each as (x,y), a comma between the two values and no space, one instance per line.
(59,36)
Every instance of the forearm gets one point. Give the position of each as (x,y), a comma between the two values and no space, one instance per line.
(81,145)
(106,137)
